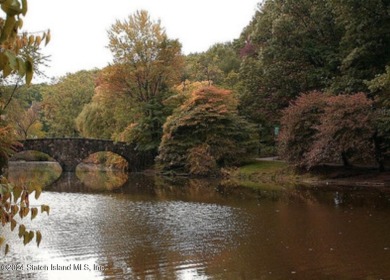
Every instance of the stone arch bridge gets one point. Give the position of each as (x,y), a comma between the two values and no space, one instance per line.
(69,152)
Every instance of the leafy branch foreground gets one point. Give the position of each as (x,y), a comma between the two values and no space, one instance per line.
(14,200)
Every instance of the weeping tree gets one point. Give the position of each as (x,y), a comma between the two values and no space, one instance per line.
(205,133)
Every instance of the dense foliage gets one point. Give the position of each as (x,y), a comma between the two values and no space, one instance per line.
(63,102)
(290,53)
(146,65)
(299,127)
(318,128)
(206,133)
(292,47)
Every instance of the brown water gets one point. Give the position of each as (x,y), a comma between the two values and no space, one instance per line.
(152,228)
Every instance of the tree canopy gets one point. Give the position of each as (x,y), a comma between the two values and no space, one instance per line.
(64,100)
(293,47)
(206,133)
(147,64)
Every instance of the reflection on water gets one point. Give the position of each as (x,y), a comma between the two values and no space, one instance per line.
(154,228)
(101,181)
(42,173)
(46,173)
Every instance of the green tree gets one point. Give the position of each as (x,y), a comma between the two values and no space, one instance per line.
(147,64)
(289,47)
(286,49)
(206,133)
(64,100)
(219,65)
(380,88)
(364,44)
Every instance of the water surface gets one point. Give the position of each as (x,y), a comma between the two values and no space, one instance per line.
(156,228)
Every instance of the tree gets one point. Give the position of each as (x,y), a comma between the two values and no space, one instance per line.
(289,47)
(28,124)
(299,127)
(345,131)
(99,120)
(204,67)
(206,133)
(317,128)
(219,65)
(146,65)
(380,89)
(23,111)
(364,43)
(64,100)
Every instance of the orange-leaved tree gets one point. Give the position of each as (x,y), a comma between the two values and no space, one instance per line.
(206,133)
(147,64)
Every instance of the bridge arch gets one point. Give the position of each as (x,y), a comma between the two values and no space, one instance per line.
(69,152)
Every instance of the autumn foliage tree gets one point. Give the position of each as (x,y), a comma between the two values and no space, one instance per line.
(206,133)
(318,128)
(99,120)
(146,65)
(345,131)
(28,124)
(299,124)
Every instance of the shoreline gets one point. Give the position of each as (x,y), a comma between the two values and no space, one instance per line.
(275,172)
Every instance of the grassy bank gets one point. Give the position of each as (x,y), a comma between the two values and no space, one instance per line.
(263,174)
(274,174)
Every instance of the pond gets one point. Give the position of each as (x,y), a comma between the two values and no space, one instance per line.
(148,227)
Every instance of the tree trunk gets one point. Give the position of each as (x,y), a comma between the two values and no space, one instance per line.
(380,159)
(345,160)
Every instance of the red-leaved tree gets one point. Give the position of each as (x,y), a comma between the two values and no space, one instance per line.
(299,124)
(345,131)
(318,128)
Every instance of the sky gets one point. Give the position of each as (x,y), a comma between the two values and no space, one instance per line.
(79,27)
